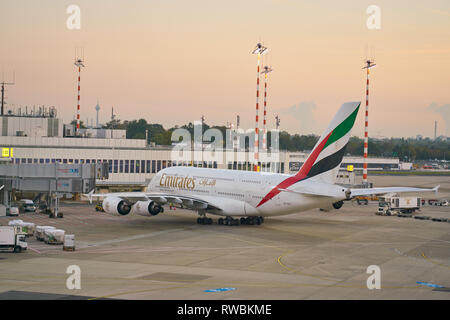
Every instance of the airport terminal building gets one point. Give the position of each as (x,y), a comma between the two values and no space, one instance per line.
(132,162)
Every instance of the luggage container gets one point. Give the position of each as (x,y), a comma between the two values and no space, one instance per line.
(16,223)
(28,228)
(54,236)
(39,233)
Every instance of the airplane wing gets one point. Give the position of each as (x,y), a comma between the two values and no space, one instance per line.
(187,202)
(160,198)
(374,191)
(307,192)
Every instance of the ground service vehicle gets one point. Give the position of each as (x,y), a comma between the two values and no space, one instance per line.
(12,240)
(27,205)
(395,205)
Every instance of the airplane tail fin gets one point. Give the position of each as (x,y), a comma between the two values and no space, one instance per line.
(323,163)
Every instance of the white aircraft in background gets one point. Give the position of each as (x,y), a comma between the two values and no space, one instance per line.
(253,195)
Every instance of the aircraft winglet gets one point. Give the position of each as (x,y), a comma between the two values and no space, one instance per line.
(435,189)
(89,195)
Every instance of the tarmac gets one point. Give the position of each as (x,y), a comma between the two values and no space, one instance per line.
(307,255)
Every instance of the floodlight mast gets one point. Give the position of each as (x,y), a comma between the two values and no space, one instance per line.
(79,63)
(259,50)
(369,64)
(266,70)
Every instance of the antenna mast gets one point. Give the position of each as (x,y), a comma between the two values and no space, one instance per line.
(3,83)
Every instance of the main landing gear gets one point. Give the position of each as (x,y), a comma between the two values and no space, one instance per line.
(204,220)
(229,221)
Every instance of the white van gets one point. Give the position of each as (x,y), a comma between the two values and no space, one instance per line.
(26,205)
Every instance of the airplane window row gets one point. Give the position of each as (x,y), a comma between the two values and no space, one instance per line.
(251,181)
(231,194)
(264,166)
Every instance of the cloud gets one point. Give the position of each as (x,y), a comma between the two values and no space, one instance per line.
(444,111)
(299,118)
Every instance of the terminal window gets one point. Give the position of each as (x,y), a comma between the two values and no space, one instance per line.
(158,164)
(138,166)
(147,168)
(131,166)
(127,166)
(153,166)
(121,166)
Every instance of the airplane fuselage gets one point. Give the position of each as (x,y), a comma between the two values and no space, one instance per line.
(240,193)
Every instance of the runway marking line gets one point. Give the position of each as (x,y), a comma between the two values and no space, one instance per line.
(434,262)
(313,276)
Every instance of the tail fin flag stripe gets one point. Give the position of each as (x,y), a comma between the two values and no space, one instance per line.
(343,128)
(327,163)
(302,174)
(312,166)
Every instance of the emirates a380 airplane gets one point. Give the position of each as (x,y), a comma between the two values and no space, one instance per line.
(251,196)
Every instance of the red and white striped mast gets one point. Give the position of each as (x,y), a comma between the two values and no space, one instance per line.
(266,70)
(368,66)
(78,63)
(259,50)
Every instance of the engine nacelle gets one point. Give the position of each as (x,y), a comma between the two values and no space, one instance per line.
(116,206)
(147,207)
(154,208)
(142,207)
(338,205)
(331,206)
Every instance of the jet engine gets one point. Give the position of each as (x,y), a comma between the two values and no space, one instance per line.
(148,207)
(331,206)
(116,205)
(338,205)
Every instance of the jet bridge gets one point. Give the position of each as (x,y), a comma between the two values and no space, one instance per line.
(53,179)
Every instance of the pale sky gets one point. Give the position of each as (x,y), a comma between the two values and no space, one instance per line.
(171,61)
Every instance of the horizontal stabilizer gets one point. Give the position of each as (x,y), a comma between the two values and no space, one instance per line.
(374,191)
